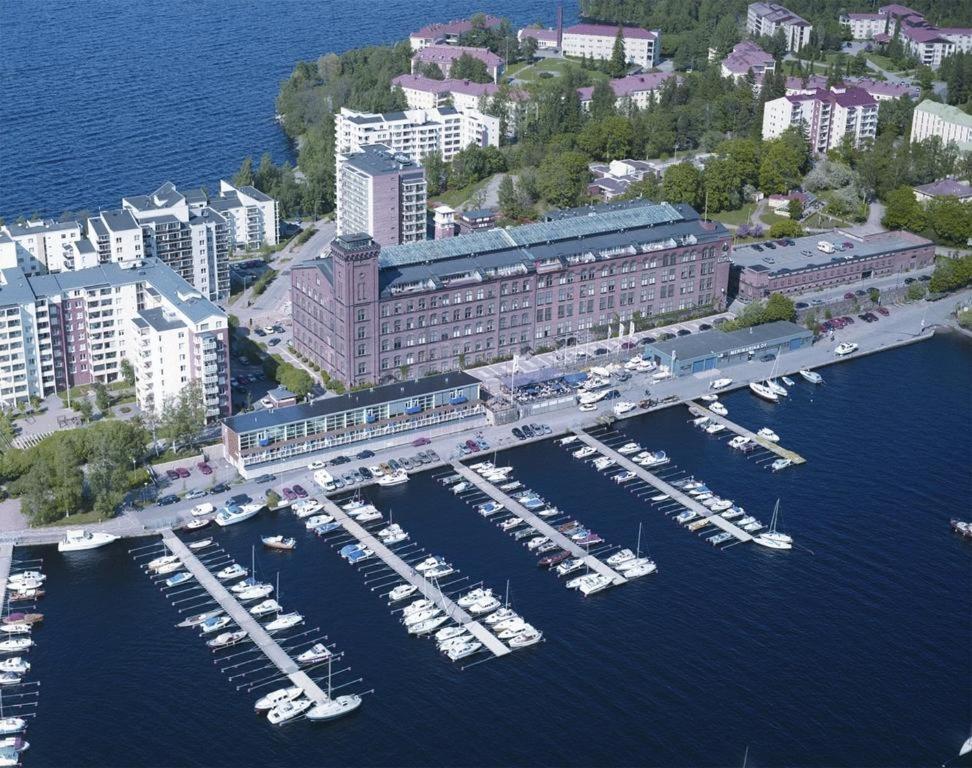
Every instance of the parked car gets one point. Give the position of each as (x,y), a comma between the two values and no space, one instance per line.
(317,464)
(394,465)
(757,247)
(433,455)
(365,473)
(527,432)
(909,280)
(182,472)
(265,479)
(665,336)
(768,357)
(647,340)
(169,498)
(800,305)
(172,474)
(196,493)
(219,488)
(273,342)
(419,441)
(259,332)
(364,454)
(301,493)
(884,311)
(472,446)
(924,278)
(707,327)
(612,394)
(628,345)
(684,332)
(340,459)
(204,468)
(849,296)
(600,351)
(288,494)
(860,292)
(623,376)
(770,244)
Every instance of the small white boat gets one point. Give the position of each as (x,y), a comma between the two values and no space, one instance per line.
(288,710)
(637,564)
(315,520)
(306,508)
(427,626)
(620,557)
(34,578)
(811,376)
(778,389)
(401,592)
(761,390)
(439,571)
(10,725)
(255,592)
(277,697)
(428,563)
(161,562)
(529,636)
(417,606)
(713,429)
(454,642)
(397,477)
(213,624)
(501,615)
(226,639)
(622,407)
(333,708)
(76,540)
(16,665)
(583,453)
(234,571)
(397,538)
(484,606)
(168,568)
(709,398)
(284,621)
(624,477)
(199,618)
(510,524)
(629,448)
(233,515)
(179,578)
(719,408)
(265,608)
(420,616)
(449,633)
(15,644)
(474,597)
(779,464)
(738,442)
(463,651)
(845,348)
(602,463)
(768,434)
(720,384)
(660,497)
(368,515)
(195,525)
(787,380)
(569,566)
(772,538)
(593,583)
(9,678)
(279,542)
(16,628)
(316,653)
(195,546)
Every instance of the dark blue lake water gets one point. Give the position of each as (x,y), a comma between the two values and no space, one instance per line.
(105,98)
(850,650)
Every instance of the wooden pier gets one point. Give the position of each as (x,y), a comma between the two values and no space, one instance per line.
(671,491)
(6,559)
(428,590)
(539,524)
(769,445)
(260,637)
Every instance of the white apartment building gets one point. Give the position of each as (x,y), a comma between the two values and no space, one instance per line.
(632,91)
(43,246)
(381,194)
(253,217)
(864,26)
(72,328)
(766,18)
(641,46)
(927,44)
(415,133)
(950,124)
(825,116)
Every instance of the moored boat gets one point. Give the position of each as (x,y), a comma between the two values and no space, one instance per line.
(226,639)
(845,348)
(288,710)
(277,697)
(79,539)
(761,390)
(279,542)
(329,709)
(811,376)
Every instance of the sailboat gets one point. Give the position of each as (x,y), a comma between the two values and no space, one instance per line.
(773,539)
(637,566)
(332,708)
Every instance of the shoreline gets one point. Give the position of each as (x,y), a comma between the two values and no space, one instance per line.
(127,527)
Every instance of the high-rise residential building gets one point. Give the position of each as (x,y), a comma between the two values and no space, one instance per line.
(764,19)
(415,133)
(864,26)
(596,41)
(253,216)
(950,124)
(43,246)
(62,330)
(365,313)
(381,193)
(445,56)
(825,116)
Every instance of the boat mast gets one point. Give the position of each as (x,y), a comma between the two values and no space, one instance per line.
(638,548)
(776,512)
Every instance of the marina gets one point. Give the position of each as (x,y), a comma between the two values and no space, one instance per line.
(538,523)
(700,409)
(413,577)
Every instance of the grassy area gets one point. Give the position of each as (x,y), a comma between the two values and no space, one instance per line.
(733,218)
(883,62)
(456,197)
(170,455)
(531,72)
(77,520)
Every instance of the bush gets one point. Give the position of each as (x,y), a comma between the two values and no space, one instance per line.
(788,228)
(951,274)
(273,499)
(965,318)
(306,235)
(916,292)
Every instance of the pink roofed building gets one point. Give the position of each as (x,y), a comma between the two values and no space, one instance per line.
(444,56)
(464,95)
(633,90)
(880,90)
(826,117)
(596,41)
(448,33)
(748,57)
(547,39)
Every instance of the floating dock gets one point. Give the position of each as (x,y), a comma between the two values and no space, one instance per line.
(538,523)
(492,643)
(671,491)
(769,445)
(6,559)
(260,637)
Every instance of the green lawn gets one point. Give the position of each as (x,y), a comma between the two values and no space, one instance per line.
(531,72)
(733,218)
(78,520)
(884,62)
(456,197)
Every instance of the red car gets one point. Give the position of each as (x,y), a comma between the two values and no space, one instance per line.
(301,493)
(472,445)
(182,472)
(205,468)
(288,494)
(172,474)
(849,296)
(884,311)
(419,441)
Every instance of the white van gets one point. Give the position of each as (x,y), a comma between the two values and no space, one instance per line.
(322,477)
(826,246)
(201,510)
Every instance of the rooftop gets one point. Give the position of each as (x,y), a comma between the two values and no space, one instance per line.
(378,160)
(747,56)
(778,14)
(430,85)
(365,398)
(625,86)
(791,258)
(435,54)
(945,188)
(719,342)
(35,227)
(611,30)
(539,33)
(158,320)
(453,28)
(945,112)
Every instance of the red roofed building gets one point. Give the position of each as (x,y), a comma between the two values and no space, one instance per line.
(547,39)
(444,56)
(448,33)
(596,41)
(826,117)
(636,90)
(745,57)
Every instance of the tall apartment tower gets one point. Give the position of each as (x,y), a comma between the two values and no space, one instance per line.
(383,194)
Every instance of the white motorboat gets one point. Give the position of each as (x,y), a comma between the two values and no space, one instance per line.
(719,408)
(233,515)
(620,557)
(179,578)
(16,665)
(279,542)
(510,524)
(316,653)
(397,538)
(25,584)
(569,565)
(453,642)
(265,608)
(567,440)
(389,531)
(640,569)
(602,463)
(162,561)
(768,434)
(401,592)
(397,477)
(288,710)
(334,708)
(511,628)
(720,384)
(474,596)
(449,633)
(490,508)
(234,571)
(463,651)
(660,497)
(501,615)
(255,592)
(226,639)
(779,464)
(368,516)
(79,539)
(417,606)
(713,428)
(195,546)
(427,626)
(461,487)
(9,678)
(709,398)
(199,618)
(654,459)
(738,442)
(622,407)
(845,348)
(536,542)
(277,697)
(529,636)
(624,477)
(811,376)
(778,389)
(201,510)
(16,628)
(429,563)
(9,725)
(629,448)
(29,579)
(484,606)
(172,567)
(787,380)
(195,525)
(772,538)
(761,390)
(315,520)
(213,624)
(307,508)
(419,616)
(593,583)
(583,453)
(284,621)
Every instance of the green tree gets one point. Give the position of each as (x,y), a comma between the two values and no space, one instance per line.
(603,100)
(787,228)
(722,183)
(436,172)
(782,164)
(779,307)
(950,220)
(297,380)
(951,274)
(7,431)
(468,67)
(903,211)
(102,398)
(127,372)
(795,209)
(509,199)
(184,415)
(562,179)
(874,295)
(916,292)
(244,176)
(83,406)
(682,183)
(431,70)
(618,65)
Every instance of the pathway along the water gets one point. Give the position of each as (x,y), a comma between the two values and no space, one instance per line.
(674,493)
(769,445)
(6,559)
(538,523)
(413,577)
(260,637)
